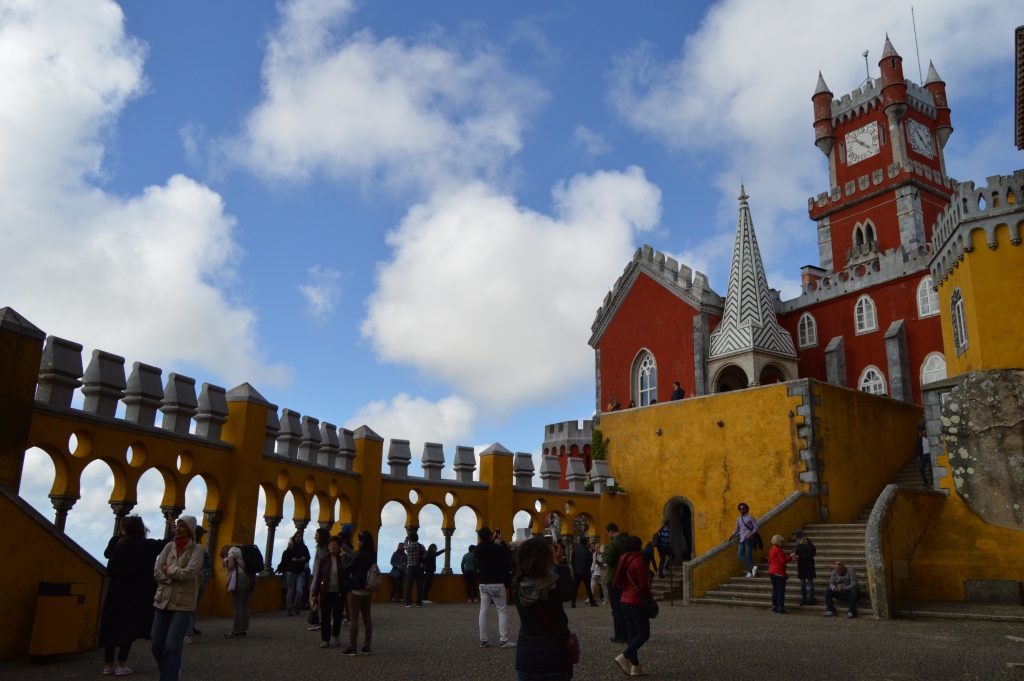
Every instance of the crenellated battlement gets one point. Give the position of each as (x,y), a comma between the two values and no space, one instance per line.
(976,208)
(868,97)
(676,277)
(824,203)
(568,431)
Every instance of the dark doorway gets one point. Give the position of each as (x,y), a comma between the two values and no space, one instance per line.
(679,514)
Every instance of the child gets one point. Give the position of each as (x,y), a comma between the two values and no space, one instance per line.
(777,560)
(805,572)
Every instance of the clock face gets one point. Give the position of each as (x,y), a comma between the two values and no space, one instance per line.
(920,138)
(862,143)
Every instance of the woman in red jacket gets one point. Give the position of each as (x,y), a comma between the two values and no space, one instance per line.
(632,577)
(777,560)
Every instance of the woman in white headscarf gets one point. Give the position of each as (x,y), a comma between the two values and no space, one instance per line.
(177,572)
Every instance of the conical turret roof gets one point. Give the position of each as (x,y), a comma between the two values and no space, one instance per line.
(749,321)
(933,75)
(822,85)
(889,50)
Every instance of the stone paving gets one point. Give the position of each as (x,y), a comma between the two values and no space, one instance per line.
(440,642)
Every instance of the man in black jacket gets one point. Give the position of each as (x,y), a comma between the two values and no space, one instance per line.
(582,560)
(492,563)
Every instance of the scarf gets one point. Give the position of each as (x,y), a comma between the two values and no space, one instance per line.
(534,589)
(182,544)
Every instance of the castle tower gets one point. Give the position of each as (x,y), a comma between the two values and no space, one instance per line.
(885,146)
(749,347)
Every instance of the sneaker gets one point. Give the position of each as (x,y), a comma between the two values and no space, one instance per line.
(365,651)
(123,671)
(636,670)
(851,614)
(829,613)
(325,644)
(623,663)
(507,644)
(426,602)
(409,606)
(349,652)
(753,571)
(108,670)
(749,575)
(313,627)
(484,644)
(419,605)
(782,611)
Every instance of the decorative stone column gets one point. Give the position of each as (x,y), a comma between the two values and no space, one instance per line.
(212,523)
(143,394)
(179,404)
(325,524)
(120,509)
(61,505)
(171,514)
(301,525)
(447,532)
(272,522)
(212,412)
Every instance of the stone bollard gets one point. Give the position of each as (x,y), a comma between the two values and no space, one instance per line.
(213,412)
(143,395)
(433,460)
(523,469)
(103,384)
(399,456)
(290,435)
(60,371)
(179,404)
(465,464)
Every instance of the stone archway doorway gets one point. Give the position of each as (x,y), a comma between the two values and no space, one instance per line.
(679,514)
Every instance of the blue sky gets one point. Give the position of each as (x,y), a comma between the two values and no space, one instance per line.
(405,214)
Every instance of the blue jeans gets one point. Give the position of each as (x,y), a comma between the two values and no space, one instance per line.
(638,628)
(414,579)
(745,554)
(168,640)
(618,619)
(778,593)
(295,583)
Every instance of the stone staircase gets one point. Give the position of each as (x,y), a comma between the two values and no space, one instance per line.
(833,542)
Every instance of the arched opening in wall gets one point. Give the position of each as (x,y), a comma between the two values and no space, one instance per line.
(430,522)
(466,523)
(285,530)
(150,493)
(314,519)
(771,374)
(730,378)
(587,458)
(644,379)
(195,498)
(259,526)
(91,521)
(679,514)
(574,451)
(392,531)
(933,368)
(37,476)
(522,524)
(583,526)
(869,232)
(858,236)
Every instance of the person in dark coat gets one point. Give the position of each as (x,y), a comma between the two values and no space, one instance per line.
(128,609)
(582,561)
(542,583)
(805,571)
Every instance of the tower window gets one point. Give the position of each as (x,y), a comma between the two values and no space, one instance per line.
(869,232)
(933,368)
(864,315)
(927,299)
(872,381)
(807,331)
(645,379)
(956,313)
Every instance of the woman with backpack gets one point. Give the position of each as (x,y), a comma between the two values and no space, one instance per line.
(360,598)
(240,584)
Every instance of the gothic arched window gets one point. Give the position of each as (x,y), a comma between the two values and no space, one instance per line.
(872,381)
(645,379)
(927,299)
(956,313)
(864,316)
(807,331)
(933,368)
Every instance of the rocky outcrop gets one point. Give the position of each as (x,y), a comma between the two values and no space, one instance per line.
(983,423)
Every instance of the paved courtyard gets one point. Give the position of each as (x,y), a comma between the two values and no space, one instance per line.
(439,642)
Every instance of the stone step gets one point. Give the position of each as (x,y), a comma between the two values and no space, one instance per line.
(765,596)
(814,610)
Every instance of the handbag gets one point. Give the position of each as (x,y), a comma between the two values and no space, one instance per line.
(571,642)
(650,605)
(754,538)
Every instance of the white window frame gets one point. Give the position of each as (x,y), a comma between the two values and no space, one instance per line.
(927,299)
(871,379)
(807,331)
(958,322)
(928,367)
(645,378)
(865,315)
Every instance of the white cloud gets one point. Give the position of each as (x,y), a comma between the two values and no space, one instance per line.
(321,291)
(500,298)
(395,110)
(145,275)
(741,88)
(419,420)
(590,142)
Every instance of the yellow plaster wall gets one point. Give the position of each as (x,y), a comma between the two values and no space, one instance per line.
(42,557)
(753,456)
(989,280)
(908,518)
(863,441)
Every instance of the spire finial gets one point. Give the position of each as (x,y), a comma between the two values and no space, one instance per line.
(743,193)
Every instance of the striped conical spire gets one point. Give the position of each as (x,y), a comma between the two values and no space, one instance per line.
(749,321)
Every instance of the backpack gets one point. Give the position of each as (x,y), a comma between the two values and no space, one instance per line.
(373,579)
(253,559)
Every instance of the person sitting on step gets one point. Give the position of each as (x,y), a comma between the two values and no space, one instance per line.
(842,584)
